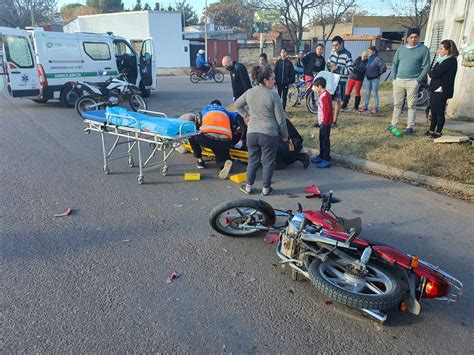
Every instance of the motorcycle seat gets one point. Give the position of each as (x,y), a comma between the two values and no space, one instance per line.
(102,85)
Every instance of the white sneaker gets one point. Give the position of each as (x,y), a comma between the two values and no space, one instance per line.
(224,173)
(239,144)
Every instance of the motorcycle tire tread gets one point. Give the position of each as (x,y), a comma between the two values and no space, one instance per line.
(260,205)
(358,301)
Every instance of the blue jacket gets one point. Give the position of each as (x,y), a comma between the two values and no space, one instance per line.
(232,115)
(200,61)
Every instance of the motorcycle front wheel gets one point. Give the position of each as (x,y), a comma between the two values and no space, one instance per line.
(228,217)
(85,104)
(337,279)
(137,103)
(218,77)
(194,78)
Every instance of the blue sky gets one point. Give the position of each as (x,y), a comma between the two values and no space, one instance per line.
(373,6)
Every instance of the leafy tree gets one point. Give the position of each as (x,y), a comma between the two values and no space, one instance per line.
(106,6)
(138,6)
(157,6)
(190,16)
(146,7)
(71,11)
(232,13)
(21,13)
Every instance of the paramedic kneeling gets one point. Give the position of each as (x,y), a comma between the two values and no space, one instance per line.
(215,125)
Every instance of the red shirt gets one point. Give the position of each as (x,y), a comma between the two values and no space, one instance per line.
(325,115)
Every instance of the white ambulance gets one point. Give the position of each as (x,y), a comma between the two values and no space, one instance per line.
(41,65)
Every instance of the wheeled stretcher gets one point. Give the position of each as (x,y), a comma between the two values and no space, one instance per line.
(134,130)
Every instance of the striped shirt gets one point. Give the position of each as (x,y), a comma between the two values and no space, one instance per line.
(343,62)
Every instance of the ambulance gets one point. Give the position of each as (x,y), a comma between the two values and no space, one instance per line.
(42,65)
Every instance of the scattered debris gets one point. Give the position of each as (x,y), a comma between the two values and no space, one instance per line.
(290,195)
(274,265)
(126,240)
(252,279)
(196,199)
(238,273)
(67,212)
(313,189)
(271,238)
(291,291)
(225,250)
(178,206)
(327,302)
(212,236)
(173,275)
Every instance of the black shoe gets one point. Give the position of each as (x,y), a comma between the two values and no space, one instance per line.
(304,159)
(428,133)
(435,135)
(200,164)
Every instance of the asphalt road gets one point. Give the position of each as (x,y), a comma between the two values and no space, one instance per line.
(95,281)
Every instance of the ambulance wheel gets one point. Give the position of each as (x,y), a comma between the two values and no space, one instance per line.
(69,96)
(145,92)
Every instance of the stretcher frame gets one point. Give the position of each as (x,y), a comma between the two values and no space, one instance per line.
(134,138)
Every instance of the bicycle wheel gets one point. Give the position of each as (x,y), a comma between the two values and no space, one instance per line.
(293,96)
(312,102)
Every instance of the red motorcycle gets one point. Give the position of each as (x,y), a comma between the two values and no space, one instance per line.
(327,250)
(198,74)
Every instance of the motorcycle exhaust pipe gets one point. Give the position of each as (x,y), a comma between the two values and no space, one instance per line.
(376,314)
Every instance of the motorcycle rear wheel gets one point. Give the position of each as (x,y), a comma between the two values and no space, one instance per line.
(137,103)
(377,290)
(226,217)
(84,103)
(218,77)
(194,78)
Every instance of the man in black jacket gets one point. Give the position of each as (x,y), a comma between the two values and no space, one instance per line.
(290,151)
(284,75)
(238,75)
(313,63)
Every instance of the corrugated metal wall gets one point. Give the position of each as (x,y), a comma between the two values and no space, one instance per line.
(355,47)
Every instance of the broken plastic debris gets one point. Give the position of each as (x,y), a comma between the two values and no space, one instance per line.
(313,189)
(238,273)
(328,302)
(271,238)
(212,236)
(252,279)
(178,206)
(173,275)
(126,240)
(67,212)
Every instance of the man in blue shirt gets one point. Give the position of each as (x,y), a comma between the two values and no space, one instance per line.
(201,62)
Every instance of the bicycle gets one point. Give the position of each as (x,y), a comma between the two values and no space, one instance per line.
(298,91)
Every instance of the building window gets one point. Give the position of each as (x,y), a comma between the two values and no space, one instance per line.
(436,38)
(97,50)
(185,49)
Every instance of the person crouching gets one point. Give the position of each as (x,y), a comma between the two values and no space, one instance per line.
(325,120)
(216,134)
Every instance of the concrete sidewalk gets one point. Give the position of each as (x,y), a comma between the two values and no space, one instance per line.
(462,126)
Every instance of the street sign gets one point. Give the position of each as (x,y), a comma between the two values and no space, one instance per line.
(262,27)
(266,16)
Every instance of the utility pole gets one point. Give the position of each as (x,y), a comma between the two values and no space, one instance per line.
(32,11)
(205,28)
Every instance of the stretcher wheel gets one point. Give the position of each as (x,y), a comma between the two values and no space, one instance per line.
(152,145)
(164,170)
(140,179)
(131,163)
(106,170)
(87,131)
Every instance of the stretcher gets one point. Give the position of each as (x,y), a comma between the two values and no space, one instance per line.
(134,135)
(235,154)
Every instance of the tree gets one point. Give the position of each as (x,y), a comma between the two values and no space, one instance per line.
(189,15)
(232,14)
(330,13)
(22,13)
(71,11)
(146,7)
(157,6)
(293,15)
(106,6)
(138,6)
(417,12)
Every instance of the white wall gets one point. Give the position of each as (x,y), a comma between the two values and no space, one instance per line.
(166,30)
(164,27)
(462,33)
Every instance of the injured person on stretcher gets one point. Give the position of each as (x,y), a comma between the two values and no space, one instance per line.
(222,131)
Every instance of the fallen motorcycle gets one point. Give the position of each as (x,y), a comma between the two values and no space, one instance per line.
(326,249)
(95,96)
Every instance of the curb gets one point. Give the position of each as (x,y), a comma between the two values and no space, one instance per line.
(388,171)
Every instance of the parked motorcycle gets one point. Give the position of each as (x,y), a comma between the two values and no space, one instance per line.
(198,75)
(95,96)
(328,250)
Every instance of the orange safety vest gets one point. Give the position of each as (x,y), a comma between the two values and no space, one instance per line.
(216,122)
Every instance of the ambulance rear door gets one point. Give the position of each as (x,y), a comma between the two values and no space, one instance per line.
(147,64)
(19,63)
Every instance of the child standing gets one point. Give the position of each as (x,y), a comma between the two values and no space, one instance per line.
(325,120)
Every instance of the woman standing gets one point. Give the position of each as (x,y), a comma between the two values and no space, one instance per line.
(356,78)
(266,127)
(262,62)
(375,68)
(442,85)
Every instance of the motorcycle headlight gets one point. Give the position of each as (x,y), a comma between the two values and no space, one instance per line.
(294,225)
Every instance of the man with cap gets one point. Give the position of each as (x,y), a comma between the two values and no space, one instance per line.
(411,64)
(239,76)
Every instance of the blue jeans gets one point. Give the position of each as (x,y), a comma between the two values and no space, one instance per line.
(372,84)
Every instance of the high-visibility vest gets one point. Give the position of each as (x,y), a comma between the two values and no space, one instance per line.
(216,122)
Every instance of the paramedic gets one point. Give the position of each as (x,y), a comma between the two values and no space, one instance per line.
(215,124)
